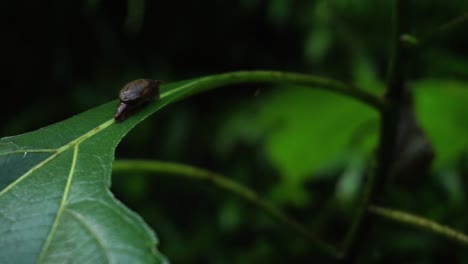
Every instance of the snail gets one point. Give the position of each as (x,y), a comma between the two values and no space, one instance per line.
(134,95)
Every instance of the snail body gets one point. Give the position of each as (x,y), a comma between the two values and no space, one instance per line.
(134,95)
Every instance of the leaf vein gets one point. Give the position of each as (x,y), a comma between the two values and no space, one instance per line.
(62,205)
(88,228)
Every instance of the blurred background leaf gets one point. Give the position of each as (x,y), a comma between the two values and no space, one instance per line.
(443,112)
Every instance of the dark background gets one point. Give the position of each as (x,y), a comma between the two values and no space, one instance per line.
(303,150)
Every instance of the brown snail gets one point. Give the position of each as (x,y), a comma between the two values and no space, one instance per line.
(134,95)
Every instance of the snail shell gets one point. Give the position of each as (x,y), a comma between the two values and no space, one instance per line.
(134,95)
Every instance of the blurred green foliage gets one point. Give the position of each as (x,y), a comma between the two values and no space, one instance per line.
(304,150)
(442,108)
(310,135)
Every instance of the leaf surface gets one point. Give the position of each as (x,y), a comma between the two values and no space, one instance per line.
(55,203)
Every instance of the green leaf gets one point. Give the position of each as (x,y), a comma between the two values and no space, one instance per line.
(55,203)
(311,131)
(441,108)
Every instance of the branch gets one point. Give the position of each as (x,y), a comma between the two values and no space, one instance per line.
(398,57)
(386,152)
(438,32)
(310,81)
(417,221)
(228,185)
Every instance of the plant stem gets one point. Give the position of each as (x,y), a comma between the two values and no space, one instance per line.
(449,26)
(295,79)
(227,184)
(438,32)
(414,220)
(399,54)
(390,118)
